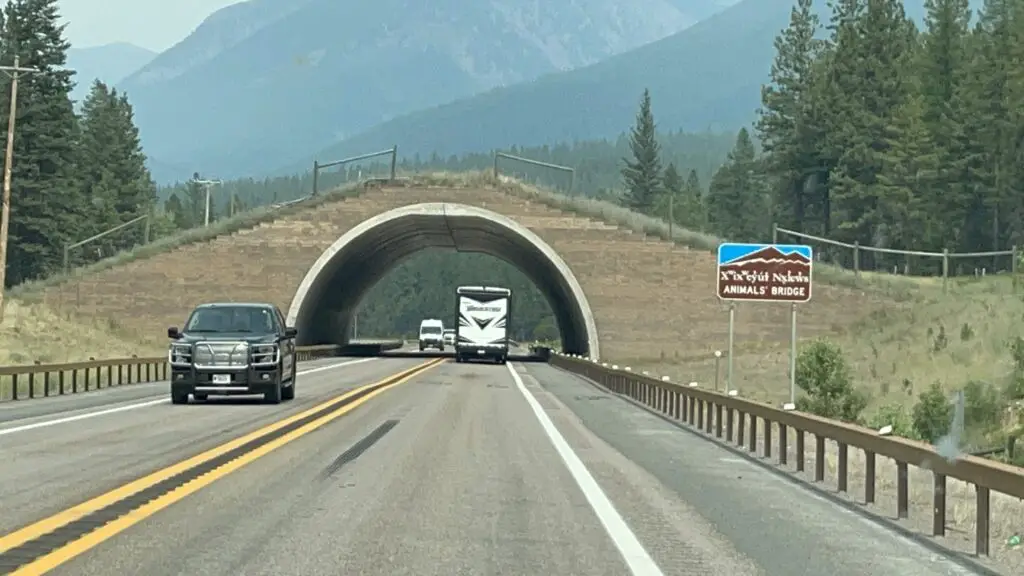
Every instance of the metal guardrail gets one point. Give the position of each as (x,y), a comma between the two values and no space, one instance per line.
(43,380)
(736,420)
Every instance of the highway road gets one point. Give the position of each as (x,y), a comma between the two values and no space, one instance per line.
(457,469)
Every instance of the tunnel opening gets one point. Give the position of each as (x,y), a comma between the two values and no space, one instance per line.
(327,300)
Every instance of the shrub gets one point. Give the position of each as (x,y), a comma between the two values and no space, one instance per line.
(933,414)
(983,407)
(824,376)
(897,416)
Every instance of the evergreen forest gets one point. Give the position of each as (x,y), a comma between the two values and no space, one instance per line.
(871,131)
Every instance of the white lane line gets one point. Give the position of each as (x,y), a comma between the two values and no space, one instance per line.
(637,559)
(137,405)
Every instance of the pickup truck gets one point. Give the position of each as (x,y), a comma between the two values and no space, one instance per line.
(232,349)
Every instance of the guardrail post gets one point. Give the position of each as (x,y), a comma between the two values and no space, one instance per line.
(938,504)
(783,444)
(819,458)
(767,438)
(981,536)
(741,427)
(842,483)
(800,452)
(902,490)
(752,440)
(869,477)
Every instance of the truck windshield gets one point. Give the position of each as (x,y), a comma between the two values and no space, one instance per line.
(232,319)
(430,330)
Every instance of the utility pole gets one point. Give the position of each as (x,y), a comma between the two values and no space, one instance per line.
(5,214)
(206,184)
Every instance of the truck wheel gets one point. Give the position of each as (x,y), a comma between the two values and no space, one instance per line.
(274,394)
(289,392)
(177,398)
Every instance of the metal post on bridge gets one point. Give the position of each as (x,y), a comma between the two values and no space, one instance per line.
(317,166)
(571,171)
(72,245)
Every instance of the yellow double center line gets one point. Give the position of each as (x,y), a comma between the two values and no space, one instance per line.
(35,549)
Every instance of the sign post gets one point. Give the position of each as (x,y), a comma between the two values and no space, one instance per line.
(765,273)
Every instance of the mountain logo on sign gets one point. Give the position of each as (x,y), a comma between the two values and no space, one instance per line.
(769,260)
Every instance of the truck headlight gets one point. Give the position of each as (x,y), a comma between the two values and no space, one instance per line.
(180,354)
(264,353)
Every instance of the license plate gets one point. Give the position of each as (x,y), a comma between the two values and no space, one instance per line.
(479,351)
(222,378)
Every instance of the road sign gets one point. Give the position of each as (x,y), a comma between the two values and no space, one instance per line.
(765,272)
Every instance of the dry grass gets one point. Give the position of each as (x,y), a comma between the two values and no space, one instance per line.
(32,333)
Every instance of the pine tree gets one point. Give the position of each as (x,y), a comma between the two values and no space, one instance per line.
(47,208)
(737,206)
(113,170)
(909,175)
(687,204)
(194,203)
(668,207)
(942,70)
(693,196)
(642,174)
(788,131)
(870,63)
(175,208)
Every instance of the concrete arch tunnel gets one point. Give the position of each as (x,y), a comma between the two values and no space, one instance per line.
(326,300)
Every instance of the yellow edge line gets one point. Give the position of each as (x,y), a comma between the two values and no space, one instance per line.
(47,525)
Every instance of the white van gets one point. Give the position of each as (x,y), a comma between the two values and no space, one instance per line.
(449,336)
(431,334)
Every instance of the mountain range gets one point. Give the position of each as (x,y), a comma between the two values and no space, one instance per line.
(265,81)
(264,87)
(707,77)
(110,63)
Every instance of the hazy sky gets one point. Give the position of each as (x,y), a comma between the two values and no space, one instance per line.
(152,24)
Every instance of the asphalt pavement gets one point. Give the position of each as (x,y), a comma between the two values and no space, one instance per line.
(467,469)
(59,463)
